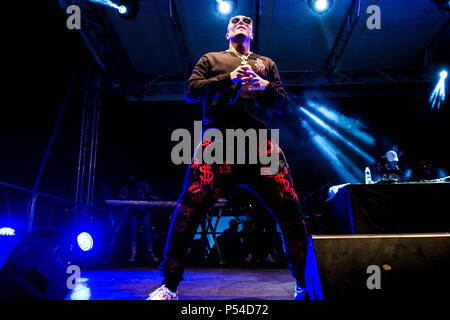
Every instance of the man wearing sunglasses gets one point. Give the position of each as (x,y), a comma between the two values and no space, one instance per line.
(238,89)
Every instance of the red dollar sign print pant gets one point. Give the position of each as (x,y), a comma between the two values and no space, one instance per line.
(206,183)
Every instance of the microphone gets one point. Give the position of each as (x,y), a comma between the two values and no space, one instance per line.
(233,101)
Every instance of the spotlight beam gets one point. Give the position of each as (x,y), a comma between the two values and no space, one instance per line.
(337,135)
(351,126)
(127,9)
(107,3)
(330,152)
(437,97)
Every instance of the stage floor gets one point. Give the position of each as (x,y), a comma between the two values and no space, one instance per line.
(198,284)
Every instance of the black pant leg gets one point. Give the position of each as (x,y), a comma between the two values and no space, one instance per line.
(278,194)
(204,185)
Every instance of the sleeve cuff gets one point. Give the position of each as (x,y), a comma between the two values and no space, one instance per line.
(225,77)
(270,90)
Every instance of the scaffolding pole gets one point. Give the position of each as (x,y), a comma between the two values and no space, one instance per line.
(84,197)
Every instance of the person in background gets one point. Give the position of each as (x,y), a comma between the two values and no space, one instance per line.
(252,235)
(391,170)
(231,243)
(135,189)
(273,241)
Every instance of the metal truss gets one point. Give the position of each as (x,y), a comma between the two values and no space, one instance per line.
(171,86)
(120,77)
(344,35)
(84,197)
(425,59)
(100,37)
(179,36)
(377,76)
(158,86)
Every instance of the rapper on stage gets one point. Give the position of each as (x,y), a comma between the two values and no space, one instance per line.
(239,89)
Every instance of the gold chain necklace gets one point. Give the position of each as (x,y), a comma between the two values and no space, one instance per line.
(244,58)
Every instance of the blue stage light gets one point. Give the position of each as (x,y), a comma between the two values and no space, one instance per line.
(408,174)
(6,231)
(437,97)
(225,7)
(122,9)
(320,6)
(85,241)
(127,9)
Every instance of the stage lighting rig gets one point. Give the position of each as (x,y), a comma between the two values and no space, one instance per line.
(128,9)
(320,6)
(225,7)
(443,5)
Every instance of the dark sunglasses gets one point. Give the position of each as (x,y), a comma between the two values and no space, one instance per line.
(244,19)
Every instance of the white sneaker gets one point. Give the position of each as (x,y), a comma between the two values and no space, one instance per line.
(151,256)
(249,257)
(299,293)
(162,293)
(132,258)
(269,258)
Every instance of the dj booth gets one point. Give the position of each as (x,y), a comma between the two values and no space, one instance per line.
(389,208)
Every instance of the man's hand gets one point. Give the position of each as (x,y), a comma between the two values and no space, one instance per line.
(239,73)
(254,82)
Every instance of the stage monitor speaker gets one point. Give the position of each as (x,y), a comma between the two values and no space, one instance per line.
(29,271)
(378,266)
